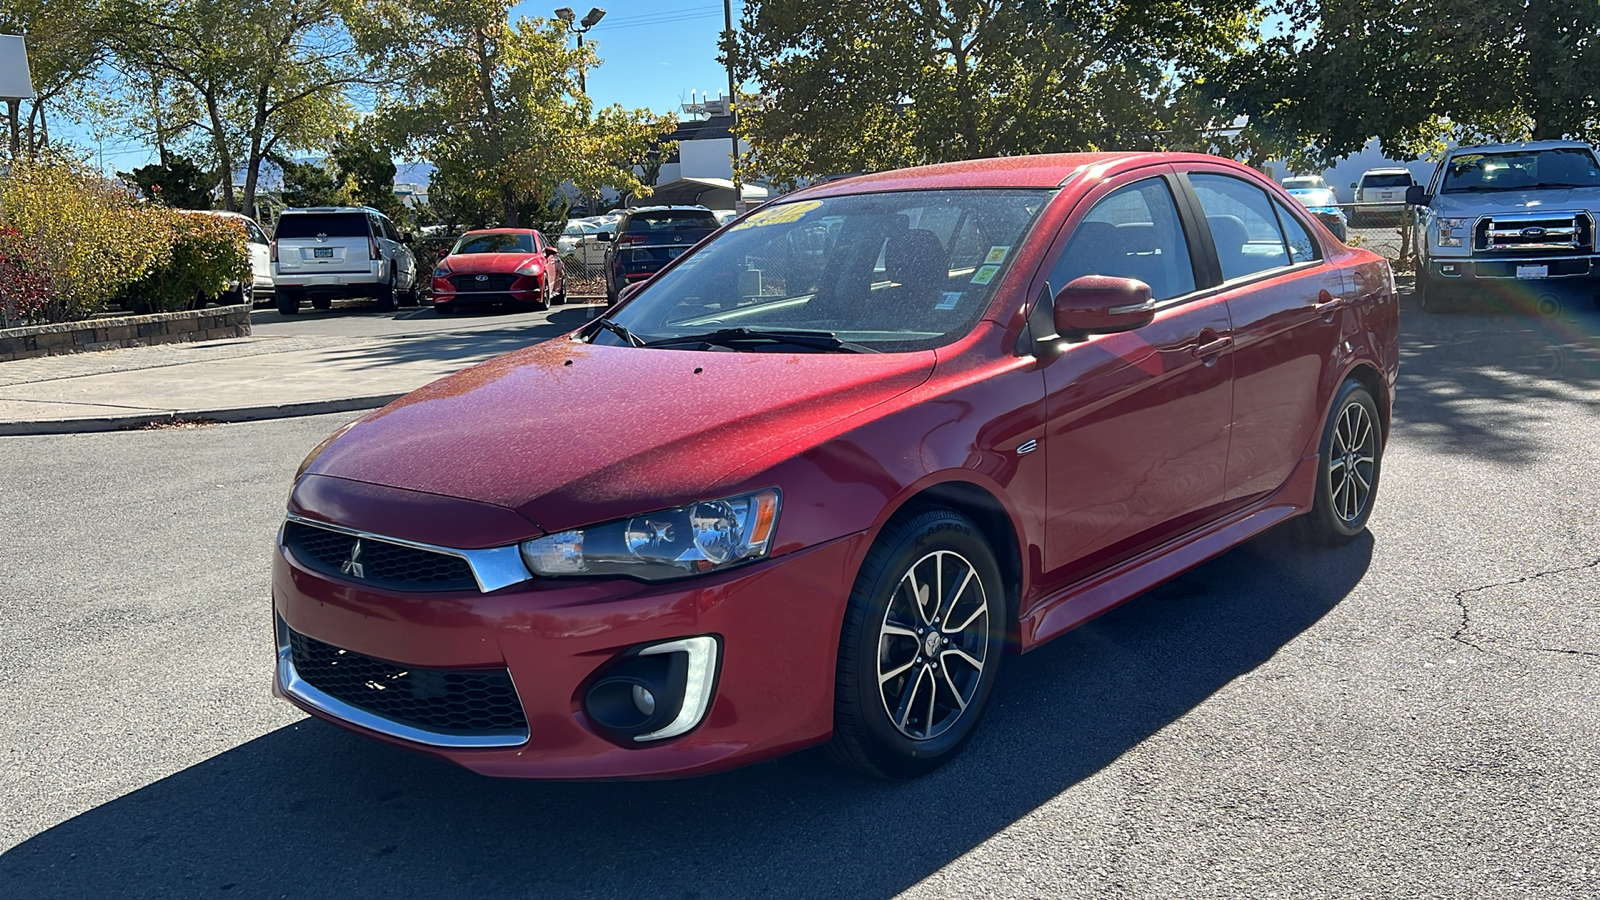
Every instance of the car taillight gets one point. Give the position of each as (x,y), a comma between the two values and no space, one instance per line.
(372,246)
(273,245)
(630,238)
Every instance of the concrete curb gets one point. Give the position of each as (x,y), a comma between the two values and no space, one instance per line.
(234,414)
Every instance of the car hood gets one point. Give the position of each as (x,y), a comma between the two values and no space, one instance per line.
(569,434)
(1473,203)
(473,263)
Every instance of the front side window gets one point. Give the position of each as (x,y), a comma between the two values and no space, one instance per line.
(1243,225)
(493,243)
(1131,233)
(1521,170)
(893,271)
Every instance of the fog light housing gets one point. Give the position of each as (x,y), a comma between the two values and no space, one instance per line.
(654,692)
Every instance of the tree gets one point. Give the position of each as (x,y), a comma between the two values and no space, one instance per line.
(269,76)
(878,84)
(495,105)
(66,44)
(367,166)
(178,183)
(310,183)
(1333,75)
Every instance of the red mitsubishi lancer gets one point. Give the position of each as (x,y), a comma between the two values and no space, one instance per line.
(499,266)
(817,476)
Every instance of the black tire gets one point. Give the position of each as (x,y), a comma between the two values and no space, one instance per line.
(287,301)
(411,296)
(1435,297)
(386,298)
(887,620)
(1350,461)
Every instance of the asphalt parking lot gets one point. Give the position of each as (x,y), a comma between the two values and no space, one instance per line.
(1412,715)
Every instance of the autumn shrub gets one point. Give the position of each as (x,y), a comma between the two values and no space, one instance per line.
(24,287)
(206,255)
(83,233)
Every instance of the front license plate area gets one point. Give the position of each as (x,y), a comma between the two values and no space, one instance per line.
(322,253)
(1532,272)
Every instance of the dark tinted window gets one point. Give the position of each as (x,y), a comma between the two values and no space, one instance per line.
(494,243)
(1398,179)
(1243,225)
(1131,233)
(310,225)
(671,220)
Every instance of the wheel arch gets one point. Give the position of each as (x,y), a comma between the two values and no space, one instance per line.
(1371,379)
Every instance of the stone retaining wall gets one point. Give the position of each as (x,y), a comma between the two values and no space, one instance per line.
(124,331)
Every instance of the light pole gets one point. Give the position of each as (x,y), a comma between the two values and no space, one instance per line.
(733,117)
(566,15)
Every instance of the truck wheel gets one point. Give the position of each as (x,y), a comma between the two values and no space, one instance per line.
(288,301)
(386,298)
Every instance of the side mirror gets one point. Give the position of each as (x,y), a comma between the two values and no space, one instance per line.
(1100,304)
(550,251)
(603,237)
(1352,185)
(1417,195)
(629,291)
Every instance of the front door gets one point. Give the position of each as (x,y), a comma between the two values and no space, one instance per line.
(1138,422)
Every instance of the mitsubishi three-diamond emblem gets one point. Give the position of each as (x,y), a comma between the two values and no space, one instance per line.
(352,566)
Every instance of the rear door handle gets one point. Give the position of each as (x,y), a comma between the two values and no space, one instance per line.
(1213,347)
(1327,302)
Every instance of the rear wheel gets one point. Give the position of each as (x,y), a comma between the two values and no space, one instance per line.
(288,301)
(920,647)
(386,296)
(1350,461)
(412,295)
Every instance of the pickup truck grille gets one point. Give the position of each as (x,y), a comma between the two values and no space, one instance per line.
(1535,233)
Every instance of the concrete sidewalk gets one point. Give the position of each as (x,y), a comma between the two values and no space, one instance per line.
(258,377)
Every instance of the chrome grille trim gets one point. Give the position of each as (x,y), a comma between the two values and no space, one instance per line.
(493,568)
(1547,232)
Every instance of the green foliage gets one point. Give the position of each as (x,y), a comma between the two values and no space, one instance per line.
(178,183)
(66,45)
(367,167)
(877,84)
(312,184)
(494,105)
(86,235)
(206,255)
(1414,73)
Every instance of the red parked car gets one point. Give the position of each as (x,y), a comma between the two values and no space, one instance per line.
(810,482)
(500,266)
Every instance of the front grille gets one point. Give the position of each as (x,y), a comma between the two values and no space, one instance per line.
(1539,233)
(379,563)
(471,283)
(462,702)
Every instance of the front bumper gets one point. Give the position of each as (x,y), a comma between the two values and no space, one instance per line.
(524,290)
(777,621)
(1519,268)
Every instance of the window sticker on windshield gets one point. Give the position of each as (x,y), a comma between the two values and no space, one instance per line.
(948,300)
(985,275)
(997,255)
(785,214)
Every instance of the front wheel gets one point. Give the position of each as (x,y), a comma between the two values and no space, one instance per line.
(1350,461)
(920,647)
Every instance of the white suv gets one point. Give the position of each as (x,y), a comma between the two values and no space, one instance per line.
(326,252)
(1380,196)
(1507,214)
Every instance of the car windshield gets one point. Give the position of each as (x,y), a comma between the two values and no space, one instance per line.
(1313,196)
(310,225)
(1386,180)
(1521,170)
(493,243)
(893,271)
(1304,183)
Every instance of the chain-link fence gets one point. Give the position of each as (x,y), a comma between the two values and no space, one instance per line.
(1381,228)
(584,258)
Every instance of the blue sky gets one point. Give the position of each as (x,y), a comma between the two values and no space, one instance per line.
(654,51)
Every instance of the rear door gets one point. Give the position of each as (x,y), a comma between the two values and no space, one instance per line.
(322,243)
(1286,304)
(1138,422)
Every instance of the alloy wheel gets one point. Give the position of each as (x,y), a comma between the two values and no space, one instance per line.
(1352,457)
(933,645)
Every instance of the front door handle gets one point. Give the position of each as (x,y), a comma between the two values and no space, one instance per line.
(1213,347)
(1327,302)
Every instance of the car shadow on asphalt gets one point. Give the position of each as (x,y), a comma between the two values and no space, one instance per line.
(1481,382)
(478,343)
(309,810)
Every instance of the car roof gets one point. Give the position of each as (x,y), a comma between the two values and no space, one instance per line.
(1388,170)
(499,231)
(1523,146)
(1047,170)
(327,209)
(641,209)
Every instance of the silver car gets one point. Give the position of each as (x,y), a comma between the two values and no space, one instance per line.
(327,252)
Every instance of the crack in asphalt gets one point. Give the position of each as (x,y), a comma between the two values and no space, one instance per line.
(1466,612)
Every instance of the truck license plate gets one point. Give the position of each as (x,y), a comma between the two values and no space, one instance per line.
(1533,271)
(322,253)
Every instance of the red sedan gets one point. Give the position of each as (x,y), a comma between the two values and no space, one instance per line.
(500,266)
(810,482)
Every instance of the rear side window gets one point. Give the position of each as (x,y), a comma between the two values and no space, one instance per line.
(310,225)
(1243,225)
(1398,179)
(670,220)
(1131,233)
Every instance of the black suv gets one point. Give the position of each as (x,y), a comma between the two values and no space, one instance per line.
(648,238)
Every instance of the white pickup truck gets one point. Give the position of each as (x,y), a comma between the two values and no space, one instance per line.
(1508,218)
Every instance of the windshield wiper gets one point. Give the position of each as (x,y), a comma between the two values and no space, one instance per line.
(620,331)
(727,337)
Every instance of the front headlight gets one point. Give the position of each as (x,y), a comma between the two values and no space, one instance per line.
(672,543)
(534,268)
(1452,231)
(443,271)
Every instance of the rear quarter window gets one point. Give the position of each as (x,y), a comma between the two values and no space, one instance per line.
(330,224)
